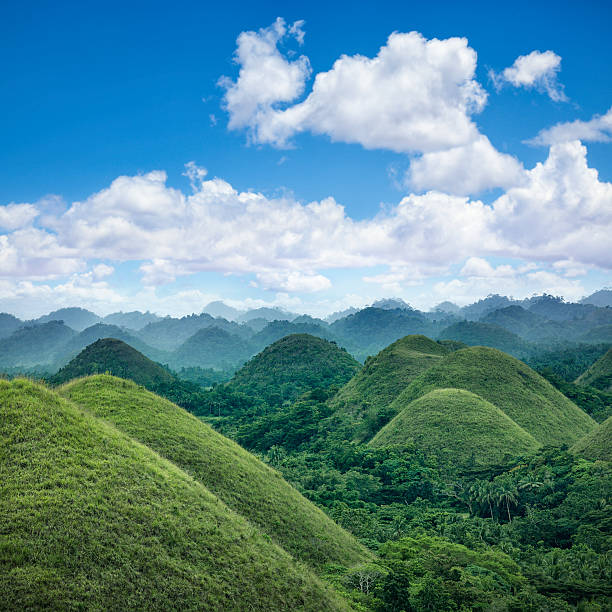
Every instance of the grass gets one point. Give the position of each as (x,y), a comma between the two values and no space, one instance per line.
(383,377)
(527,398)
(462,429)
(597,444)
(93,520)
(244,483)
(599,375)
(114,357)
(293,365)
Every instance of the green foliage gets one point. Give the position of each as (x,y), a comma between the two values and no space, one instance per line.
(240,480)
(464,431)
(527,398)
(291,366)
(599,375)
(93,520)
(566,361)
(596,403)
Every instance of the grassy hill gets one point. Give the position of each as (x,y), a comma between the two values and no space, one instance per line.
(599,375)
(93,520)
(597,444)
(462,429)
(293,365)
(117,358)
(526,397)
(475,333)
(382,378)
(212,347)
(244,483)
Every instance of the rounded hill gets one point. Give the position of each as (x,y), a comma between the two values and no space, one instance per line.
(383,377)
(293,365)
(527,398)
(463,430)
(242,481)
(597,444)
(113,356)
(599,375)
(93,520)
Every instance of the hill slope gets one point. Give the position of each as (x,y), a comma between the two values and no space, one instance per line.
(383,377)
(462,429)
(293,365)
(599,375)
(597,444)
(475,333)
(117,358)
(243,482)
(93,520)
(526,397)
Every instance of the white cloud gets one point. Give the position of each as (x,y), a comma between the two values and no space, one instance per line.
(465,169)
(14,216)
(535,70)
(560,216)
(598,129)
(266,78)
(415,97)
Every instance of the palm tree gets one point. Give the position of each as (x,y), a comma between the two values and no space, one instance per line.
(507,494)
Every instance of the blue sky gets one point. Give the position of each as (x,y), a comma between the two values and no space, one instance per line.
(410,147)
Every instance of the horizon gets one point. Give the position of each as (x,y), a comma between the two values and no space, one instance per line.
(311,160)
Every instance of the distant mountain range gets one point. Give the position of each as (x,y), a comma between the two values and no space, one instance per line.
(210,340)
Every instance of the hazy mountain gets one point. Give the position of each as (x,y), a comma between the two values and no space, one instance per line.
(270,314)
(220,309)
(132,320)
(76,318)
(601,298)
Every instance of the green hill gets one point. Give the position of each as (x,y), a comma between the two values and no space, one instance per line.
(212,347)
(462,429)
(596,335)
(93,520)
(243,482)
(382,379)
(599,375)
(293,365)
(114,357)
(597,444)
(526,397)
(475,333)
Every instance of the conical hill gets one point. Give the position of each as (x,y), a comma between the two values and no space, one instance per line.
(117,358)
(599,375)
(93,520)
(527,398)
(383,377)
(293,365)
(242,481)
(463,430)
(597,444)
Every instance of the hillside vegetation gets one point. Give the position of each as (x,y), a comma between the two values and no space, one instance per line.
(526,397)
(293,365)
(597,444)
(93,520)
(244,483)
(599,375)
(463,430)
(383,377)
(113,356)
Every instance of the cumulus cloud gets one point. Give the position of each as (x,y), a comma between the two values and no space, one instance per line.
(465,169)
(14,216)
(560,216)
(536,70)
(597,129)
(415,97)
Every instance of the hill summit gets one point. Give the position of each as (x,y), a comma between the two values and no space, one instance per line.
(293,365)
(114,357)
